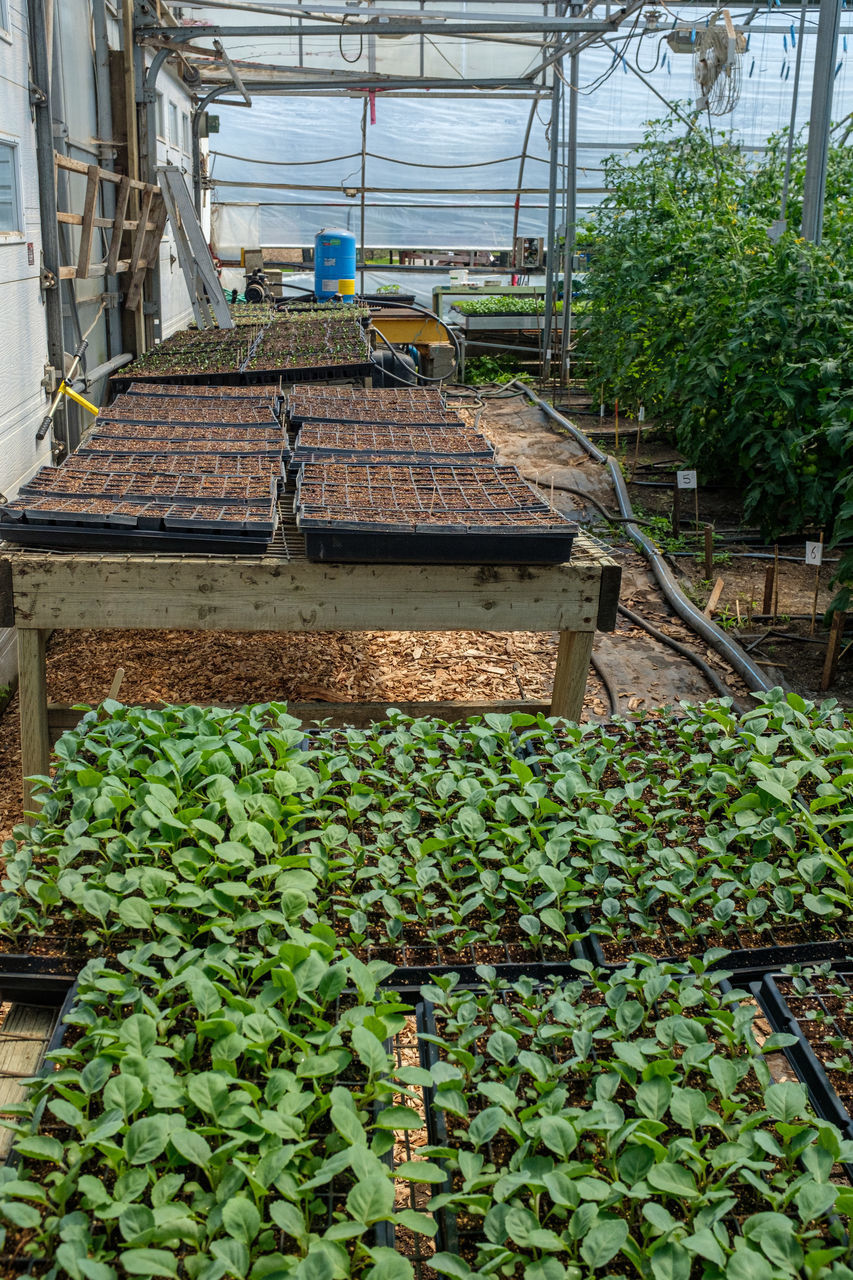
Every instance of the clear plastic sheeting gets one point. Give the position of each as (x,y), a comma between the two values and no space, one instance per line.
(442,169)
(234,227)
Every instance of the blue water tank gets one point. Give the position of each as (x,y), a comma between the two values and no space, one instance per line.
(334,264)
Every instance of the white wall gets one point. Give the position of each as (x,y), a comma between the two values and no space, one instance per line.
(23,332)
(174,146)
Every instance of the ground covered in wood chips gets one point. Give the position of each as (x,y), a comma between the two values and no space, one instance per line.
(182,666)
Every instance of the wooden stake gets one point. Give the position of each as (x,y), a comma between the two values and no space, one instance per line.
(769,577)
(616,420)
(709,551)
(116,684)
(552,488)
(601,404)
(776,582)
(676,509)
(816,590)
(713,598)
(737,611)
(833,647)
(696,505)
(637,446)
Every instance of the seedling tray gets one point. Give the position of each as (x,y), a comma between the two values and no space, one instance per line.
(387,441)
(173,463)
(71,537)
(364,545)
(746,963)
(374,418)
(117,486)
(312,373)
(304,457)
(232,393)
(801,1055)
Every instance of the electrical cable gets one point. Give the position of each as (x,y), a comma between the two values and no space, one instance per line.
(358,56)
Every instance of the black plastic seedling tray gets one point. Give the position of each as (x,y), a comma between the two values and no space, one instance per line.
(384,418)
(746,963)
(313,373)
(801,1056)
(303,457)
(73,537)
(108,420)
(97,447)
(361,543)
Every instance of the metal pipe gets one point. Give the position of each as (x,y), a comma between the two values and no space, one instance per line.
(102,370)
(107,156)
(571,216)
(686,610)
(532,26)
(551,271)
(47,198)
(820,118)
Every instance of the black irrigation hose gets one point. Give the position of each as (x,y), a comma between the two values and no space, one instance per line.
(708,672)
(587,497)
(753,677)
(604,676)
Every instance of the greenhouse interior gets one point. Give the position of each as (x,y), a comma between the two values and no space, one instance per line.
(426,615)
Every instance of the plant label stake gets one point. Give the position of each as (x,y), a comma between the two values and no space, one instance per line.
(687,480)
(709,551)
(814,555)
(775,582)
(769,578)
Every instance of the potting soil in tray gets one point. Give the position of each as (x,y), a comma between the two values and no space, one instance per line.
(63,481)
(208,463)
(162,409)
(174,391)
(80,524)
(428,443)
(418,514)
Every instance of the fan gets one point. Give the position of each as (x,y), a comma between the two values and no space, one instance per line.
(717,51)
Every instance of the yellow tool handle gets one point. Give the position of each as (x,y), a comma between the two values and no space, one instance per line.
(66,391)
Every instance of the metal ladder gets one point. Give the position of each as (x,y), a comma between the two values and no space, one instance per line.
(203,286)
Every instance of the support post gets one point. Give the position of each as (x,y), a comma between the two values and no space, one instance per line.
(814,185)
(47,194)
(128,14)
(32,692)
(571,163)
(107,158)
(551,265)
(570,674)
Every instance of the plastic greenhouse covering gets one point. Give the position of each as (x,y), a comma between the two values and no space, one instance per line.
(419,145)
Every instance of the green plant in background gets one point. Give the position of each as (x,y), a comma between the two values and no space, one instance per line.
(741,346)
(499,369)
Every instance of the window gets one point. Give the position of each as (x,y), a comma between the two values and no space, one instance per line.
(4,15)
(10,210)
(173,125)
(185,133)
(161,117)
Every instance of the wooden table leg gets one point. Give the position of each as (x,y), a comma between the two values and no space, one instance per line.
(570,674)
(32,689)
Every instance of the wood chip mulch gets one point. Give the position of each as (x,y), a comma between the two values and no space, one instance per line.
(183,666)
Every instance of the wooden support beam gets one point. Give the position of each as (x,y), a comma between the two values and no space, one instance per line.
(150,242)
(122,198)
(87,236)
(32,688)
(573,657)
(267,594)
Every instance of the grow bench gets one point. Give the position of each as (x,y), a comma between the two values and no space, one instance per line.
(283,591)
